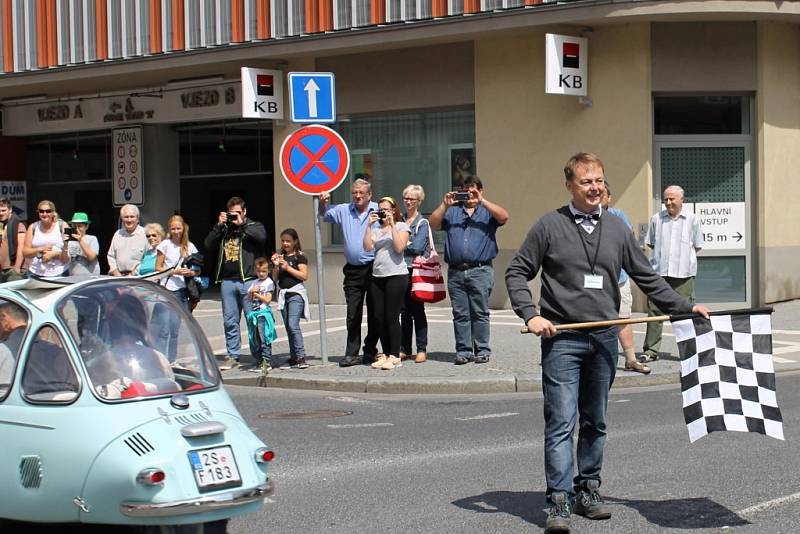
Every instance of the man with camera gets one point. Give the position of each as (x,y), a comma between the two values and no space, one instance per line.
(128,244)
(239,241)
(354,218)
(82,247)
(12,238)
(470,222)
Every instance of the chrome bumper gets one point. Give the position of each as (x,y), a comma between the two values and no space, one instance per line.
(210,503)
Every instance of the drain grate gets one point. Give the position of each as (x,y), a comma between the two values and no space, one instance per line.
(309,414)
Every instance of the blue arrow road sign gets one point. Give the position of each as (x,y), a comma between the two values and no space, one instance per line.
(313,97)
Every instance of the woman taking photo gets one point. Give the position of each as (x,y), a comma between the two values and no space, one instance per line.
(154,233)
(171,254)
(44,243)
(82,247)
(388,237)
(413,317)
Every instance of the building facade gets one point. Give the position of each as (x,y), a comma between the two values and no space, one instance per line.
(698,93)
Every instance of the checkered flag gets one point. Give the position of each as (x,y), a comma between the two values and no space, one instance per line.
(727,376)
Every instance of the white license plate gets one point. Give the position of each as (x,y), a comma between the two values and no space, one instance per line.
(214,468)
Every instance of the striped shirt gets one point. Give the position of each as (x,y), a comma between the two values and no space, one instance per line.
(675,243)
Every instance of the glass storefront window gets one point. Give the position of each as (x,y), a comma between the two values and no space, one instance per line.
(720,279)
(707,174)
(431,149)
(69,158)
(225,148)
(701,115)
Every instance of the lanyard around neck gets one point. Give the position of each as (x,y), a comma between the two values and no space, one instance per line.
(599,228)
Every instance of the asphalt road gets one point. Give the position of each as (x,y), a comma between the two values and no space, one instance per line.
(463,464)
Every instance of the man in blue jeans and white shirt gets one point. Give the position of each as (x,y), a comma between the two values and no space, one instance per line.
(470,247)
(580,251)
(239,241)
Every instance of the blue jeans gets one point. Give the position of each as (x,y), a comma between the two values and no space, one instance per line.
(577,371)
(469,296)
(234,300)
(165,325)
(292,312)
(261,351)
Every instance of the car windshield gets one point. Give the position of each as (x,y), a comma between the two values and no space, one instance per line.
(136,341)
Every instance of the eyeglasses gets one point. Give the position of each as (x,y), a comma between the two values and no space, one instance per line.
(45,211)
(151,235)
(409,199)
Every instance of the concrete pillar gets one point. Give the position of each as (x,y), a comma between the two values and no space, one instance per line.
(161,186)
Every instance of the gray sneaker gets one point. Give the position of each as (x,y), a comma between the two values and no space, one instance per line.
(558,515)
(589,503)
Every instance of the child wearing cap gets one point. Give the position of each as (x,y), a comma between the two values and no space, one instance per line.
(82,247)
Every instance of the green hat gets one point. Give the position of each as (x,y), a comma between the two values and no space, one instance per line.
(80,217)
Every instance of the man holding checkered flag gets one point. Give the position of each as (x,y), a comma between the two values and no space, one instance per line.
(580,252)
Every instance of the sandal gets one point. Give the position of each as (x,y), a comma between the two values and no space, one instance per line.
(647,357)
(637,367)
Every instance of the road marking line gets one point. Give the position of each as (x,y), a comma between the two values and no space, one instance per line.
(363,425)
(354,400)
(487,416)
(766,505)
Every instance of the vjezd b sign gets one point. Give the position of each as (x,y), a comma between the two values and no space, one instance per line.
(566,63)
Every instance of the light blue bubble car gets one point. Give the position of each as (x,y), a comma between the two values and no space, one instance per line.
(112,412)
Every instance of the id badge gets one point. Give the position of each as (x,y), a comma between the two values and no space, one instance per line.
(593,281)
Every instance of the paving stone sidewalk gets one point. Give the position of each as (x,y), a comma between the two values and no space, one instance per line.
(514,366)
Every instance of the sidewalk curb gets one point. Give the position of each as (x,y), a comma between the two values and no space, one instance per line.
(511,383)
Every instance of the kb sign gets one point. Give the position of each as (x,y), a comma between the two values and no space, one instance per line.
(262,93)
(566,59)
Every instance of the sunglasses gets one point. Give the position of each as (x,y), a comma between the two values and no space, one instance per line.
(151,235)
(45,211)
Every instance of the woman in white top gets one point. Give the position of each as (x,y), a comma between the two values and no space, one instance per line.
(44,243)
(388,237)
(171,254)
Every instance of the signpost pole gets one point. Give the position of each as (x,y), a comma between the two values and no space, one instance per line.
(323,342)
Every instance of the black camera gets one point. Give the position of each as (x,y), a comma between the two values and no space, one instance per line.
(232,215)
(381,216)
(462,196)
(72,233)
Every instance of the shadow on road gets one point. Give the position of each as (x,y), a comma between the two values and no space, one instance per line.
(698,512)
(529,506)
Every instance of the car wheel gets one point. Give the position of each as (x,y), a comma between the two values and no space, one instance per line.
(212,527)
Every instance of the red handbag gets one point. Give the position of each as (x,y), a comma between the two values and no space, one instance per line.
(427,280)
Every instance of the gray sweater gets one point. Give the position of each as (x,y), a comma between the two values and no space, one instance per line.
(554,246)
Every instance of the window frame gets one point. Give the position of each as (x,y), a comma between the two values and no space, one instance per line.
(22,344)
(63,339)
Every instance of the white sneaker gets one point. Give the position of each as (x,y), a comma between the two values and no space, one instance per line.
(392,362)
(379,361)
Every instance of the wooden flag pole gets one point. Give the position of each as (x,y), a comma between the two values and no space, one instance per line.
(612,322)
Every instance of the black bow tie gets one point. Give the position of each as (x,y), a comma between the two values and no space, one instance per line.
(581,217)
